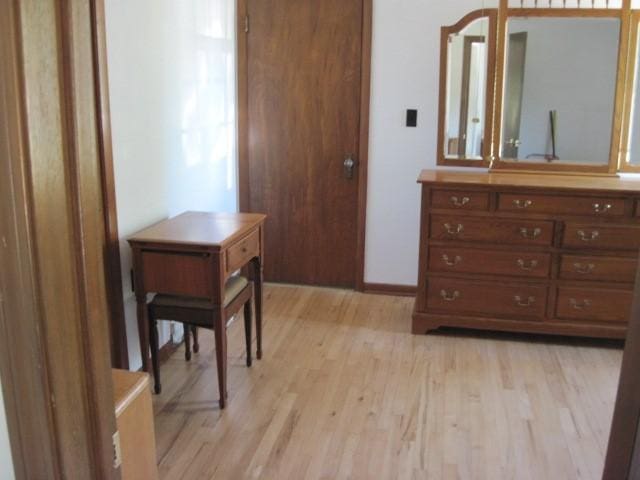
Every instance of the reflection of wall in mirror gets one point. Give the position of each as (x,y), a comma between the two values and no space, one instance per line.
(570,67)
(634,135)
(477,77)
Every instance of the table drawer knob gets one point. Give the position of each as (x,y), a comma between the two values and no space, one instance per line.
(530,233)
(527,266)
(588,237)
(584,268)
(522,204)
(454,231)
(602,207)
(450,297)
(583,305)
(522,302)
(459,202)
(451,263)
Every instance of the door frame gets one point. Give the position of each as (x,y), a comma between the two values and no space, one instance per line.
(53,303)
(623,451)
(365,99)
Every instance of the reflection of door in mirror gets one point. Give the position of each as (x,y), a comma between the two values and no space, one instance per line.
(467,56)
(559,103)
(634,129)
(517,53)
(472,96)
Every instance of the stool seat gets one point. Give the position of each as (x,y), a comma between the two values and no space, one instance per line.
(196,313)
(234,286)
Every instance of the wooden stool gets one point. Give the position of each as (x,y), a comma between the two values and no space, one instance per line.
(196,313)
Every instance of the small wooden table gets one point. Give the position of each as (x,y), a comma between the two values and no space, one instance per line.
(193,255)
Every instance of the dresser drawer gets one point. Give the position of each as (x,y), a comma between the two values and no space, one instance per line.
(604,207)
(459,200)
(590,236)
(637,208)
(594,304)
(490,230)
(489,262)
(483,299)
(243,251)
(578,267)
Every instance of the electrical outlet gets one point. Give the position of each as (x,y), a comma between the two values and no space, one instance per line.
(117,453)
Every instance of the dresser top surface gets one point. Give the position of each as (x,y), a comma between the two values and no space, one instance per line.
(200,228)
(530,180)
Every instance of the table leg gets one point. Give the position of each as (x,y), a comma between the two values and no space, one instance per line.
(257,280)
(220,329)
(143,332)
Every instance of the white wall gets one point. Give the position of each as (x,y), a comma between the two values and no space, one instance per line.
(570,67)
(405,72)
(6,461)
(172,94)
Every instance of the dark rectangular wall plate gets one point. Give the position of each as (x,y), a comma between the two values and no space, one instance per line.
(412,118)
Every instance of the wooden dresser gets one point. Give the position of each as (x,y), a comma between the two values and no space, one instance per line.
(527,252)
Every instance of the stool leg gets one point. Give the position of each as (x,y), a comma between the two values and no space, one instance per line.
(187,341)
(155,361)
(247,329)
(196,344)
(221,355)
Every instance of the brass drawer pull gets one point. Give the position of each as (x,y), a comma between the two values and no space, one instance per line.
(530,234)
(588,237)
(522,204)
(459,202)
(524,303)
(451,263)
(454,231)
(532,265)
(580,305)
(584,268)
(602,207)
(450,297)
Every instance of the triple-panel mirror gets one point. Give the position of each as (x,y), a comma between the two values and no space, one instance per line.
(545,95)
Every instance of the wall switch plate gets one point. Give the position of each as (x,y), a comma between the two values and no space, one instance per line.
(412,118)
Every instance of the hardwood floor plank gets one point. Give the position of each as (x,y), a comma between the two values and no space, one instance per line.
(345,391)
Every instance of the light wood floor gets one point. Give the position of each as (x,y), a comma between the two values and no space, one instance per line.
(344,391)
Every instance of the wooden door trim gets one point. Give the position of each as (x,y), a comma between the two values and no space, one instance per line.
(624,441)
(55,358)
(365,100)
(118,329)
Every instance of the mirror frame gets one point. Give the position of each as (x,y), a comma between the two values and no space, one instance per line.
(492,15)
(632,72)
(628,48)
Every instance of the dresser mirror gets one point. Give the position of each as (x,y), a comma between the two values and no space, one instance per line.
(631,131)
(467,88)
(559,89)
(558,95)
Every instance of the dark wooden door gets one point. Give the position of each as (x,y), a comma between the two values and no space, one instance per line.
(304,80)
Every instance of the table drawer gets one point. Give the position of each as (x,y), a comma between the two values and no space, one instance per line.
(594,304)
(459,200)
(177,273)
(590,236)
(578,267)
(490,262)
(604,207)
(243,251)
(490,230)
(484,299)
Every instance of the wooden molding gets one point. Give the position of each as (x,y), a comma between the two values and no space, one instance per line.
(390,289)
(56,369)
(118,330)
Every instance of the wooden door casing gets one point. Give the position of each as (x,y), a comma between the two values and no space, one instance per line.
(301,115)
